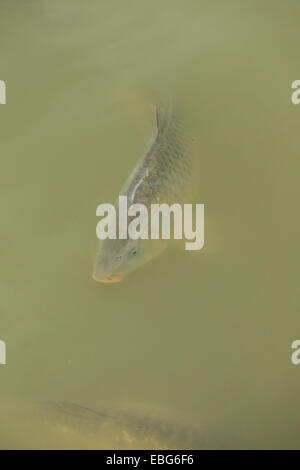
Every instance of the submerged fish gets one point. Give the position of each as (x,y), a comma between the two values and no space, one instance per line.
(123,427)
(161,176)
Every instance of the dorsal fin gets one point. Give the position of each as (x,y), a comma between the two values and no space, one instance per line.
(163,114)
(160,113)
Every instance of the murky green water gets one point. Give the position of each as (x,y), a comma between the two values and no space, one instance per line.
(206,337)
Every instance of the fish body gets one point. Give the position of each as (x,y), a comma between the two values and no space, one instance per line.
(163,172)
(161,176)
(124,426)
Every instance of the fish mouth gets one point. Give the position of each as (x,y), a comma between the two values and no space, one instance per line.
(108,279)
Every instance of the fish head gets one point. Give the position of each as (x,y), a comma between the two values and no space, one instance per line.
(117,258)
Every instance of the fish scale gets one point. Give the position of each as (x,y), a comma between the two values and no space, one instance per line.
(165,170)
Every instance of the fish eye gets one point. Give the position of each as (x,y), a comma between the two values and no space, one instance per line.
(133,252)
